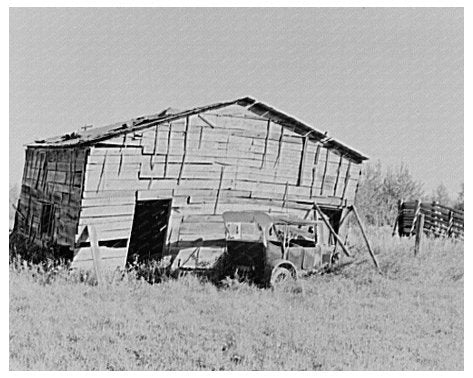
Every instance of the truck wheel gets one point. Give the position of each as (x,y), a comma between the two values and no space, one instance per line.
(280,275)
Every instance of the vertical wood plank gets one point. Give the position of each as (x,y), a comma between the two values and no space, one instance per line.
(325,172)
(300,176)
(263,159)
(94,246)
(166,157)
(102,172)
(186,133)
(338,175)
(347,178)
(314,169)
(222,169)
(280,141)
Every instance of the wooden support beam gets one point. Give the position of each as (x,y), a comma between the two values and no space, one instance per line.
(419,233)
(314,169)
(71,172)
(329,226)
(346,213)
(280,141)
(41,155)
(373,257)
(166,157)
(284,198)
(45,172)
(217,197)
(309,211)
(124,143)
(155,146)
(266,138)
(300,176)
(338,175)
(325,172)
(345,216)
(347,178)
(186,134)
(120,163)
(200,136)
(102,172)
(207,122)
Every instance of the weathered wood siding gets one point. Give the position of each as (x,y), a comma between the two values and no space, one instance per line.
(210,163)
(51,176)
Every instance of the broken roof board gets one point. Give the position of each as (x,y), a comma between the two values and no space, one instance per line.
(96,135)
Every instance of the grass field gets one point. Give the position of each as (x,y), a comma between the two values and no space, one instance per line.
(410,318)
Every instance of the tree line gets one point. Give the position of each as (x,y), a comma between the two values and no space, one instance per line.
(380,190)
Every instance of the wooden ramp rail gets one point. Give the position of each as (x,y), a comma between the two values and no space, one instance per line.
(439,220)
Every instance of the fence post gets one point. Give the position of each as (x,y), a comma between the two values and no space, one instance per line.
(416,215)
(398,218)
(435,216)
(419,233)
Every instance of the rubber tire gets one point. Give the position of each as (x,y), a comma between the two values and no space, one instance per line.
(280,275)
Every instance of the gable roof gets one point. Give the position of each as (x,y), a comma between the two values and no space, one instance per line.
(95,135)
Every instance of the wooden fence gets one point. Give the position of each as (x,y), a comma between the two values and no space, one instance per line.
(439,220)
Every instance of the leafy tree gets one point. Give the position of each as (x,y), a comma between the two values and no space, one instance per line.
(398,184)
(460,205)
(368,199)
(379,193)
(440,195)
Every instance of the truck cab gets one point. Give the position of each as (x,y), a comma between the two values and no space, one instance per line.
(268,249)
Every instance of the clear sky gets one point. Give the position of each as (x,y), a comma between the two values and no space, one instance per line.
(387,81)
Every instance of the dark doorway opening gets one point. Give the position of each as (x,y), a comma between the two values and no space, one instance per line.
(149,230)
(334,217)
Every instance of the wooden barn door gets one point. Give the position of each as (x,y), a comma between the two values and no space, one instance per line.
(148,233)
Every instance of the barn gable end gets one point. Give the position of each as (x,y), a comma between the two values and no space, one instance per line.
(51,193)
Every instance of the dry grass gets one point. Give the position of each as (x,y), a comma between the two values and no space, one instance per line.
(411,318)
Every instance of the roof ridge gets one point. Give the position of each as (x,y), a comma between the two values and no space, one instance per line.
(170,114)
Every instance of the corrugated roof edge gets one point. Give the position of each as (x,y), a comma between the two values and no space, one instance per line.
(259,108)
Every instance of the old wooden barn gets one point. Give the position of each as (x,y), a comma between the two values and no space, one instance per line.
(156,185)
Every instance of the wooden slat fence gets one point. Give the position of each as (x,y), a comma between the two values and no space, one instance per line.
(439,220)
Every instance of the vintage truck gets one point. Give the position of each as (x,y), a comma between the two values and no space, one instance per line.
(263,248)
